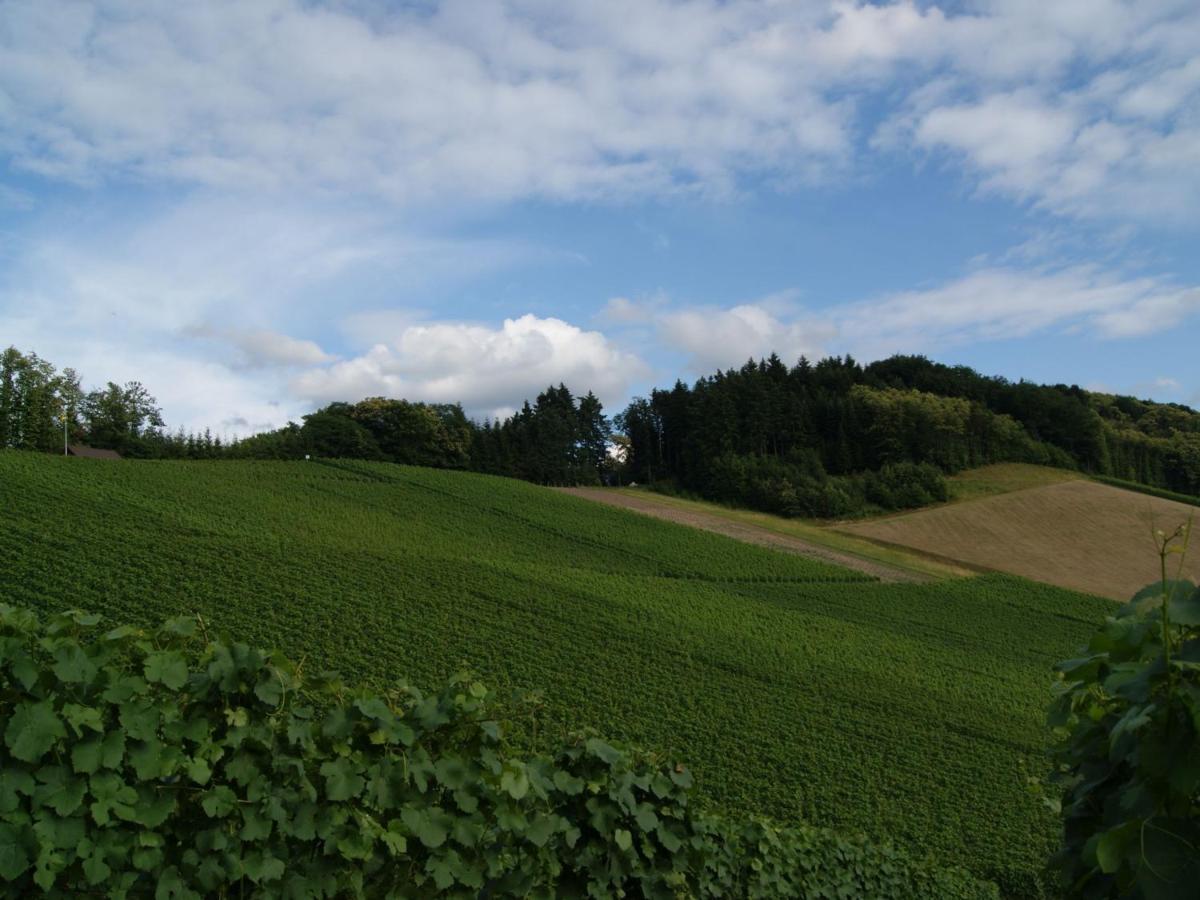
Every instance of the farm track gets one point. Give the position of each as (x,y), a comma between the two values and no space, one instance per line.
(750,534)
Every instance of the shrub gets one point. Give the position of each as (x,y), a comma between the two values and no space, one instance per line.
(905,485)
(162,763)
(1127,714)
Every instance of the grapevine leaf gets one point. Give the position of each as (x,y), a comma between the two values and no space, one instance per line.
(73,666)
(342,780)
(14,860)
(167,667)
(33,730)
(13,781)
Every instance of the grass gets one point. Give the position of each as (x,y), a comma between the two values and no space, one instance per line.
(794,688)
(1004,478)
(1162,493)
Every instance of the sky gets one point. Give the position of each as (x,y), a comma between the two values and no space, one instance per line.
(256,207)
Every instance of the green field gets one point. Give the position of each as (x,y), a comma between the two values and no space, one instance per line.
(794,688)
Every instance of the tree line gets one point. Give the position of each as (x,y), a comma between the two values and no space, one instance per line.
(835,438)
(41,408)
(827,439)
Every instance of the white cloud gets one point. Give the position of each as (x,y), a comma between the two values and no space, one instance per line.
(626,311)
(482,367)
(481,100)
(989,304)
(719,338)
(1004,303)
(232,291)
(478,102)
(260,348)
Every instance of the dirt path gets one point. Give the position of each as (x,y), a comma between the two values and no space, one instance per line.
(751,534)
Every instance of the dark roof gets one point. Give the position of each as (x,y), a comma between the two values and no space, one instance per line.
(92,452)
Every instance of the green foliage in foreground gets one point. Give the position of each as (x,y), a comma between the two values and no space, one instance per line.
(133,765)
(1128,713)
(794,689)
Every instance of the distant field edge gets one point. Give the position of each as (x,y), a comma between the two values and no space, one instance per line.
(786,535)
(1161,493)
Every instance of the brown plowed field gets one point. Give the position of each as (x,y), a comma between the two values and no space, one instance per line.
(1077,534)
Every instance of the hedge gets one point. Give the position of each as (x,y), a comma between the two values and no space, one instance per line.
(172,764)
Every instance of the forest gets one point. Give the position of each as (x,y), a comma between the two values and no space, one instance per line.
(828,439)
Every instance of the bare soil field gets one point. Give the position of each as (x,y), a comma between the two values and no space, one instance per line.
(661,508)
(1075,534)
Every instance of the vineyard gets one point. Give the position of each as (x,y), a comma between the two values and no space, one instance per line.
(794,688)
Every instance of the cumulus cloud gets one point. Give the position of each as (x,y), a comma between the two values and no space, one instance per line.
(484,368)
(718,338)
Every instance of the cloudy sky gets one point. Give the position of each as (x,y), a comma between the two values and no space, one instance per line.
(255,207)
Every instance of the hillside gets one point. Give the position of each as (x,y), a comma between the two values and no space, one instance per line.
(1076,534)
(796,688)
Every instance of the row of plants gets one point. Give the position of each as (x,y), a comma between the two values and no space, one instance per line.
(1162,493)
(170,763)
(826,691)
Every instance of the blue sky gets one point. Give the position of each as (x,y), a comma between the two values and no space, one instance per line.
(259,207)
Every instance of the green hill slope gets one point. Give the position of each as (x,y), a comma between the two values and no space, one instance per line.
(795,688)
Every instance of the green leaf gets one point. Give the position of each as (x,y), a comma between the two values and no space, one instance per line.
(568,783)
(14,860)
(33,730)
(342,780)
(604,751)
(261,867)
(24,669)
(154,807)
(1110,849)
(624,839)
(514,780)
(199,771)
(646,818)
(1186,610)
(96,870)
(14,781)
(255,825)
(72,665)
(428,825)
(219,802)
(80,717)
(167,667)
(140,720)
(269,689)
(59,790)
(111,795)
(394,839)
(541,829)
(180,626)
(452,771)
(146,757)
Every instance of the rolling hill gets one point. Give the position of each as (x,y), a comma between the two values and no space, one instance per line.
(796,688)
(1077,534)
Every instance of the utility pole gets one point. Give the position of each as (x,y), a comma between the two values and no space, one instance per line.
(65,432)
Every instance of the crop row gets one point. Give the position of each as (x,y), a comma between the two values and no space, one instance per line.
(909,710)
